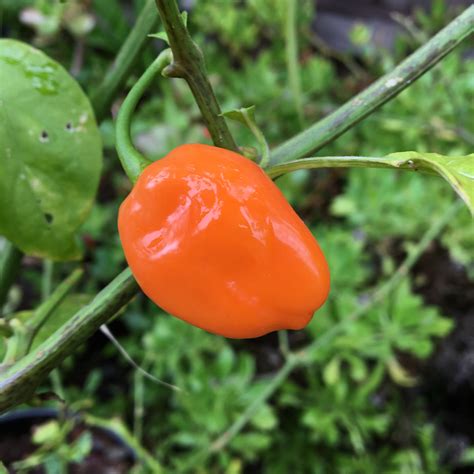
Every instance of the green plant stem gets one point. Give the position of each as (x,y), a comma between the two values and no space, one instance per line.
(138,404)
(132,161)
(120,70)
(283,342)
(118,427)
(9,267)
(305,356)
(18,382)
(260,137)
(292,61)
(252,409)
(188,63)
(47,279)
(379,92)
(342,162)
(461,181)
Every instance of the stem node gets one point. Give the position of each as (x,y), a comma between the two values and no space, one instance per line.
(189,60)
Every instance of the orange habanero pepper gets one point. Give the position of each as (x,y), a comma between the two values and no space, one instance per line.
(211,239)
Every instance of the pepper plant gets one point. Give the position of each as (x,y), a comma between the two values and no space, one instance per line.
(51,160)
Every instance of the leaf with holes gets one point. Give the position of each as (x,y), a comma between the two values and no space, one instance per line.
(50,153)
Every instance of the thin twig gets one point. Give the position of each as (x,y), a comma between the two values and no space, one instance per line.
(47,279)
(258,134)
(18,382)
(77,57)
(283,342)
(381,91)
(429,163)
(133,162)
(189,65)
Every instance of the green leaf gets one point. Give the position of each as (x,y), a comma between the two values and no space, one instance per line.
(249,444)
(358,368)
(246,116)
(81,448)
(265,418)
(466,458)
(332,371)
(457,170)
(162,35)
(242,115)
(400,375)
(50,153)
(49,432)
(53,464)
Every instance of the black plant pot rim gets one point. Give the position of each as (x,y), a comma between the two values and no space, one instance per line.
(30,414)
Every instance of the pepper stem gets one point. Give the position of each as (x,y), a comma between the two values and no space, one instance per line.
(133,162)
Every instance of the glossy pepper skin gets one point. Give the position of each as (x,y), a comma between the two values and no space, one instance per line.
(211,240)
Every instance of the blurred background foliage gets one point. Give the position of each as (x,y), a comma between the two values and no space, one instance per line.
(388,394)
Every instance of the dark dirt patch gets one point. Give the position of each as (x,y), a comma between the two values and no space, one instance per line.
(448,376)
